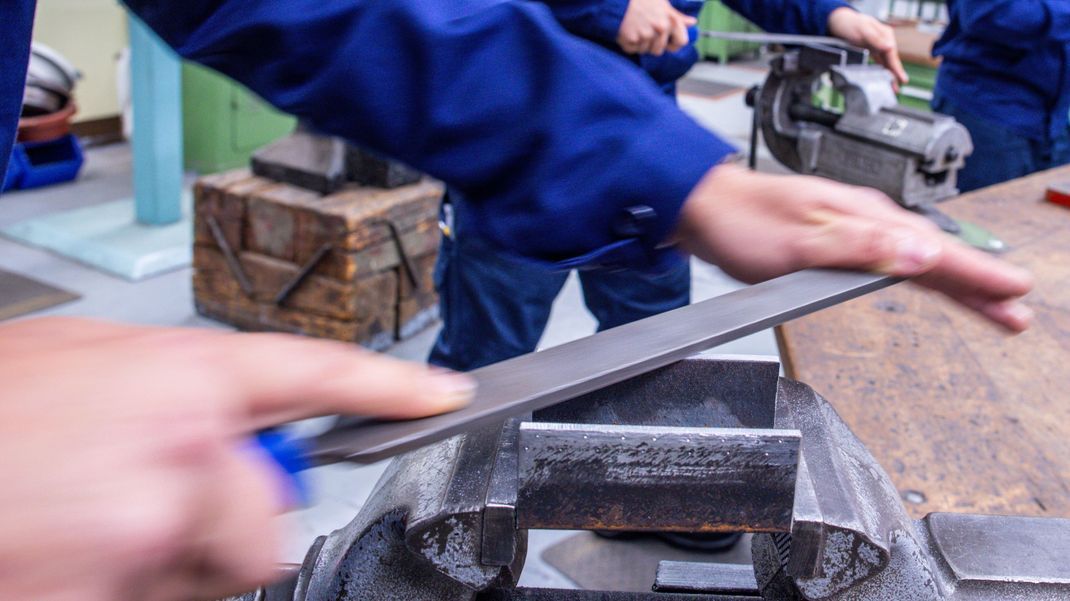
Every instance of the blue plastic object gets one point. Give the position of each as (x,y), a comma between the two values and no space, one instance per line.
(37,164)
(15,170)
(291,456)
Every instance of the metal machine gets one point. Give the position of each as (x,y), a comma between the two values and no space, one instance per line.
(622,435)
(707,444)
(912,156)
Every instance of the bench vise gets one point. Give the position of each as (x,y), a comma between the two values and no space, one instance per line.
(912,156)
(703,445)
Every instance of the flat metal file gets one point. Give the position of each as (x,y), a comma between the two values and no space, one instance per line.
(537,380)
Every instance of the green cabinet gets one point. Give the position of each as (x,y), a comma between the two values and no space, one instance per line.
(718,17)
(919,92)
(223,122)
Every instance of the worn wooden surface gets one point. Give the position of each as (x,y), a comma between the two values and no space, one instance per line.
(954,409)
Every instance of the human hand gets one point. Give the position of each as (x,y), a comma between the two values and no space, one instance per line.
(652,27)
(867,32)
(759,226)
(125,452)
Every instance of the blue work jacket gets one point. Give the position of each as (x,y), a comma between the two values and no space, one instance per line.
(569,153)
(1008,61)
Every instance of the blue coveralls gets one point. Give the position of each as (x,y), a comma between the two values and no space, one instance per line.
(558,144)
(1005,75)
(495,307)
(492,96)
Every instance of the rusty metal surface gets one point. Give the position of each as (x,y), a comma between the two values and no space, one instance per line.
(656,478)
(850,521)
(500,540)
(426,534)
(419,535)
(537,380)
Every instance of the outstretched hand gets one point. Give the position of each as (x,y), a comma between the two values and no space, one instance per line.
(759,226)
(652,27)
(126,455)
(867,32)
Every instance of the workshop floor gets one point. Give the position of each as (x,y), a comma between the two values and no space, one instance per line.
(167,299)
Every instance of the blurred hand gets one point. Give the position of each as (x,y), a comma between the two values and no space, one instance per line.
(126,459)
(867,32)
(758,226)
(652,27)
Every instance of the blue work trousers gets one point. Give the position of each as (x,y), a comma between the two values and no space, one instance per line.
(495,307)
(999,153)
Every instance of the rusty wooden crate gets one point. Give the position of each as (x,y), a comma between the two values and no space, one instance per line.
(356,265)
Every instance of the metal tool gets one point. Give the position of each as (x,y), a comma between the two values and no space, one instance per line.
(786,39)
(707,444)
(537,380)
(912,156)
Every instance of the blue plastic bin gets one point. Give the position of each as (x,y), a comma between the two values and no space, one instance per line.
(37,164)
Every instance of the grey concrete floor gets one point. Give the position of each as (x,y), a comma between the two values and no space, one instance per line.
(167,299)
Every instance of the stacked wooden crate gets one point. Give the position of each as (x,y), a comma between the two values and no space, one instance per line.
(356,265)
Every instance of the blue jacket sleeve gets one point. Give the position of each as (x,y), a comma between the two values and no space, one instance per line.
(596,20)
(551,137)
(1016,22)
(806,17)
(17,19)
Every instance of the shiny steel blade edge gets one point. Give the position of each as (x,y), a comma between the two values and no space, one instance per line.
(537,380)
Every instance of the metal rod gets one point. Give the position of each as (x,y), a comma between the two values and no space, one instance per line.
(306,270)
(541,379)
(228,253)
(776,38)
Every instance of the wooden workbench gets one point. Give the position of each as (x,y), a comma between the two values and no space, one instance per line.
(971,418)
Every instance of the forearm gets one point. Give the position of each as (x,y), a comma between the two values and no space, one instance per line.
(788,16)
(492,97)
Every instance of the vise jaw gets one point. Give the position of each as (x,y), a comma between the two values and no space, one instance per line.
(912,156)
(703,445)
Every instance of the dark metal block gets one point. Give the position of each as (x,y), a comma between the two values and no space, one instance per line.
(695,577)
(370,169)
(602,477)
(304,159)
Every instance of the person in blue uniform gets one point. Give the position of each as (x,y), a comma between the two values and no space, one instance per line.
(494,307)
(1005,75)
(125,450)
